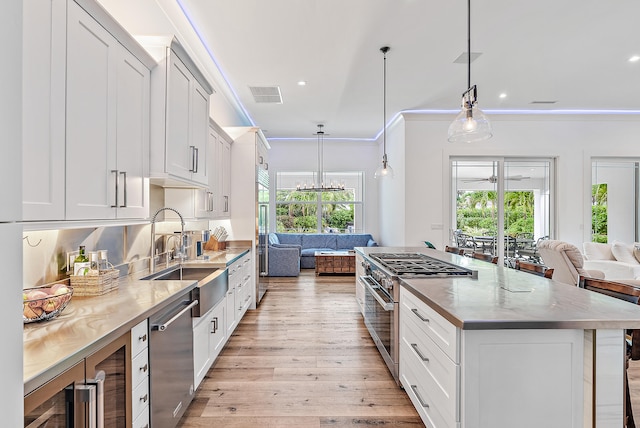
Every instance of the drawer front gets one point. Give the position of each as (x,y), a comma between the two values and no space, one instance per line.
(421,398)
(438,374)
(139,368)
(142,421)
(434,325)
(139,338)
(140,399)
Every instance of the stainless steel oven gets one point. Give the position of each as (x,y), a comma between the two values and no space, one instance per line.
(381,319)
(382,294)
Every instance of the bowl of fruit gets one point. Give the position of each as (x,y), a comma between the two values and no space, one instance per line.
(40,304)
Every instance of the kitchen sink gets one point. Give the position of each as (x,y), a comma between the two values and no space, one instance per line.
(213,284)
(183,273)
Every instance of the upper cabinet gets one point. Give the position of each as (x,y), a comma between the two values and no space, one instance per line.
(43,109)
(90,160)
(180,118)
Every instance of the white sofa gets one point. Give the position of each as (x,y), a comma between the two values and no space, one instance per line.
(617,260)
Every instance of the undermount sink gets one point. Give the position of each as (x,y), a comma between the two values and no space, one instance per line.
(183,273)
(213,284)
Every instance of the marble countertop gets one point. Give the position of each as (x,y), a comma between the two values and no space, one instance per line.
(89,323)
(503,298)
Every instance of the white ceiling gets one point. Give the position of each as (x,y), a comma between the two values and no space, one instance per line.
(574,52)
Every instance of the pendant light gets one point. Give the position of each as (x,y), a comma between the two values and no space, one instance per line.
(471,124)
(384,170)
(320,183)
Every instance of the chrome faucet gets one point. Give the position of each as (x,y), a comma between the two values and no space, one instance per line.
(152,263)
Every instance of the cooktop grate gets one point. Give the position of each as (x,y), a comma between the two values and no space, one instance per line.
(418,264)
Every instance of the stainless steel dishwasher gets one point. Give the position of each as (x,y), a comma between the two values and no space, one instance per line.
(171,361)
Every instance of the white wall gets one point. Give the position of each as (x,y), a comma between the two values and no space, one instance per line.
(572,139)
(339,155)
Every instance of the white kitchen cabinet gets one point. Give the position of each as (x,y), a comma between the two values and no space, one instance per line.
(240,294)
(140,374)
(107,124)
(480,378)
(43,110)
(359,284)
(224,193)
(209,336)
(180,118)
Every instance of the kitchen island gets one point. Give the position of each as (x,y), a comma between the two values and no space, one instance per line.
(510,348)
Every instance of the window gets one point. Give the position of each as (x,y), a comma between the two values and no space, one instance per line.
(501,206)
(614,200)
(313,212)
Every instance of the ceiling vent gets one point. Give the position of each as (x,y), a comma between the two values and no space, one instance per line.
(266,94)
(544,102)
(463,58)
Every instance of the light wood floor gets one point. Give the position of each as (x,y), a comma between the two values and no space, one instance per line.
(303,359)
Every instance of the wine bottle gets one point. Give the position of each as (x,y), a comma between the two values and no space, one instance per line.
(81,264)
(81,258)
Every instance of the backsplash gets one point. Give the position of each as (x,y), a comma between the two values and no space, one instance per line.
(44,251)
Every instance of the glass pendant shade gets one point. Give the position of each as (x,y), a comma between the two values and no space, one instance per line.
(384,170)
(469,126)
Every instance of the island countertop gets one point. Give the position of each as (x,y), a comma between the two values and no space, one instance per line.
(504,298)
(89,323)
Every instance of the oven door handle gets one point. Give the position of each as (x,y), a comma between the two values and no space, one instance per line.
(386,303)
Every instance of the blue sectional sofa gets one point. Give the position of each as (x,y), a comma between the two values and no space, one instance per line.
(290,252)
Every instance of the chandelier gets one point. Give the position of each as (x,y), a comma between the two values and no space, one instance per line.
(320,183)
(471,124)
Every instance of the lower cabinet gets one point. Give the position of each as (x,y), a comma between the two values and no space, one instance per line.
(209,336)
(140,375)
(240,292)
(110,369)
(489,378)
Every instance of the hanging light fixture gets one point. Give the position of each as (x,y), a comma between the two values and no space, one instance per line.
(384,170)
(320,183)
(471,124)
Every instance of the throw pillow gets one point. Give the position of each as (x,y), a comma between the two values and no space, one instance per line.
(623,252)
(636,251)
(597,251)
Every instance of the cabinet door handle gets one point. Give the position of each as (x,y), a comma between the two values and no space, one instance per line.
(124,189)
(144,368)
(226,204)
(144,398)
(214,323)
(192,149)
(195,167)
(417,351)
(414,388)
(117,177)
(415,311)
(143,338)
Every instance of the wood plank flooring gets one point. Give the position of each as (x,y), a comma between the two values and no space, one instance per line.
(303,359)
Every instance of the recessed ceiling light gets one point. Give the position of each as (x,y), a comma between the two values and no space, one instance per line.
(634,58)
(302,83)
(503,95)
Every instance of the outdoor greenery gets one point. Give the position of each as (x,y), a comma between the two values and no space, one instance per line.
(297,212)
(477,214)
(599,213)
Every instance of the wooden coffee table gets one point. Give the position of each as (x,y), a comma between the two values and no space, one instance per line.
(338,262)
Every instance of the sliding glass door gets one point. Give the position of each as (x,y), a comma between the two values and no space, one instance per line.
(501,206)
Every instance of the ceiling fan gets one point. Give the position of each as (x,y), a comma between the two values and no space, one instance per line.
(494,179)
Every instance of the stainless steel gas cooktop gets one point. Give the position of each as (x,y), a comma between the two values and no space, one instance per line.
(418,264)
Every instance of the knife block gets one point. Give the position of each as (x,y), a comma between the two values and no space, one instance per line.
(214,245)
